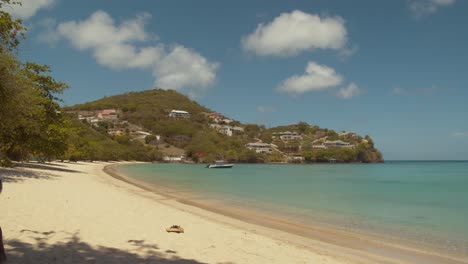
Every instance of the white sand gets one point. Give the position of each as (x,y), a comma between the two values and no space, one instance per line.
(76,213)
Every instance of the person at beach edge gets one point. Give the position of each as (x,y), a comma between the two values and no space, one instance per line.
(2,249)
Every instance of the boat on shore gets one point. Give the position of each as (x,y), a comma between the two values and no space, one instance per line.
(219,164)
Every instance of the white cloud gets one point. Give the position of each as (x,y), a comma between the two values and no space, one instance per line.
(291,33)
(421,8)
(28,8)
(116,46)
(349,91)
(182,67)
(316,78)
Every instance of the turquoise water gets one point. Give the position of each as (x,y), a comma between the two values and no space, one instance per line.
(421,202)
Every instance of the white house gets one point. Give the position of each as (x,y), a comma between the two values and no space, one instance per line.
(173,158)
(226,130)
(260,147)
(347,133)
(337,144)
(179,114)
(319,147)
(287,135)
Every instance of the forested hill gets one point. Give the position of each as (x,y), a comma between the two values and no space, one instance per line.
(204,135)
(138,106)
(157,101)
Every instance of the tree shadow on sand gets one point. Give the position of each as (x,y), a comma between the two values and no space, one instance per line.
(44,166)
(74,250)
(20,174)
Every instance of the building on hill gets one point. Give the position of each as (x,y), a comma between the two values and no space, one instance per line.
(319,146)
(94,121)
(296,158)
(174,158)
(116,132)
(261,147)
(227,130)
(287,135)
(84,115)
(108,115)
(173,154)
(218,118)
(337,144)
(347,133)
(179,114)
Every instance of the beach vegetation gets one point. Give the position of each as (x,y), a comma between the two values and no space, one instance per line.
(33,125)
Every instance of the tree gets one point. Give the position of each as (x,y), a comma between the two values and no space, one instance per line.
(332,135)
(302,127)
(31,119)
(50,140)
(369,141)
(308,156)
(11,30)
(19,108)
(150,139)
(253,130)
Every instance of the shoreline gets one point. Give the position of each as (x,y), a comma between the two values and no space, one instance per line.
(77,213)
(361,246)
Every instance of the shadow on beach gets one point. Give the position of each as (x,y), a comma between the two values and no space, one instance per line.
(44,166)
(74,250)
(20,174)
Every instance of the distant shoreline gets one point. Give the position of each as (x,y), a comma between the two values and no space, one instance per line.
(364,244)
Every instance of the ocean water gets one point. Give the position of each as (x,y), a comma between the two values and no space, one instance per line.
(422,203)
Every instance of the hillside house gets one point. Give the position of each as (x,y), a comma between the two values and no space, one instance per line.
(347,133)
(337,144)
(108,115)
(218,118)
(319,147)
(174,158)
(179,114)
(227,130)
(296,158)
(287,135)
(260,147)
(116,132)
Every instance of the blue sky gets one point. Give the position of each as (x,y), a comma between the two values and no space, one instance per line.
(396,70)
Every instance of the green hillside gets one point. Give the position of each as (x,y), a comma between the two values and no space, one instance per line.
(200,141)
(150,109)
(88,143)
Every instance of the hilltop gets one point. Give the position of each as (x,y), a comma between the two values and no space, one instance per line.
(173,127)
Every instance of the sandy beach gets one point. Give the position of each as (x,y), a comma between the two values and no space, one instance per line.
(76,213)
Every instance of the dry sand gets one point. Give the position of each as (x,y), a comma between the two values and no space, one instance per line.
(76,213)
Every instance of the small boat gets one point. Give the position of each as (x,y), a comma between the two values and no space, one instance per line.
(219,164)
